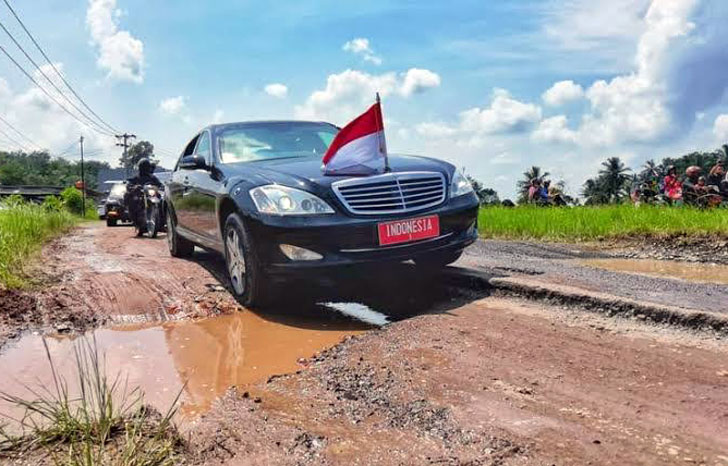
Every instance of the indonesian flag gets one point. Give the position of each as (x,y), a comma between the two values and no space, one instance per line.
(359,148)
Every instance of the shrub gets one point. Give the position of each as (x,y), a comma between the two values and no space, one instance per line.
(52,204)
(73,200)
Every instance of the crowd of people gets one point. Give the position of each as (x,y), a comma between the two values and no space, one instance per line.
(542,192)
(692,188)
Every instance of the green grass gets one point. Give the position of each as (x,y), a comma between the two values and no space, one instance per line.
(101,423)
(23,230)
(591,223)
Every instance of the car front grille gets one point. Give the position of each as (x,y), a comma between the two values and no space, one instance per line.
(391,193)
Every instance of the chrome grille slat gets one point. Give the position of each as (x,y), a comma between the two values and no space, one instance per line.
(392,192)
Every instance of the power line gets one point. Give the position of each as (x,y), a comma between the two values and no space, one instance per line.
(19,133)
(27,75)
(60,75)
(67,149)
(14,141)
(50,81)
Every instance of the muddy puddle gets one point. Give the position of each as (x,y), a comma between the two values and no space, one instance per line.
(703,273)
(206,357)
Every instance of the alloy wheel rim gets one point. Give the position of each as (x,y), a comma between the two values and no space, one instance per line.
(236,261)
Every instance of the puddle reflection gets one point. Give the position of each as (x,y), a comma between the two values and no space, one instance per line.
(210,355)
(703,273)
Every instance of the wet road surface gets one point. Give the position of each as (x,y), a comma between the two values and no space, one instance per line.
(700,286)
(457,377)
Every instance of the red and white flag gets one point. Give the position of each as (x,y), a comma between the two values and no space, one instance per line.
(359,148)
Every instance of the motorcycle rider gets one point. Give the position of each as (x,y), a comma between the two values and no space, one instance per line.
(134,195)
(146,174)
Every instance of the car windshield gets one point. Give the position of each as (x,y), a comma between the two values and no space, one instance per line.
(118,190)
(274,141)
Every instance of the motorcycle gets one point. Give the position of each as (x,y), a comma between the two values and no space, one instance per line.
(148,205)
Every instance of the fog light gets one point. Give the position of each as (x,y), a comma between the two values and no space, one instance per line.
(299,254)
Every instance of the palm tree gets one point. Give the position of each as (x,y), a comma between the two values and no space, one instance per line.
(525,182)
(593,192)
(614,178)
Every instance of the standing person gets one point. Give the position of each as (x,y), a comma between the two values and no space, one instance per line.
(672,185)
(690,187)
(533,191)
(716,178)
(543,193)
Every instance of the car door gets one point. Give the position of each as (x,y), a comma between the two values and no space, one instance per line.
(202,192)
(179,187)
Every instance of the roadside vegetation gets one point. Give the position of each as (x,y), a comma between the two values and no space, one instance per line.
(24,227)
(599,222)
(94,420)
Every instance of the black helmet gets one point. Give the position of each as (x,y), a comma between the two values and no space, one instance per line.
(145,167)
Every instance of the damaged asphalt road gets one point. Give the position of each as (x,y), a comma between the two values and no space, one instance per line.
(569,265)
(461,375)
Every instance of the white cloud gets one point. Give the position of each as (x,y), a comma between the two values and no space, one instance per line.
(417,80)
(46,124)
(635,107)
(218,116)
(504,115)
(277,90)
(720,128)
(563,92)
(360,46)
(554,129)
(173,105)
(348,93)
(120,53)
(589,24)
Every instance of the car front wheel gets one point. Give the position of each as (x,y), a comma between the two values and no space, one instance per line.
(245,271)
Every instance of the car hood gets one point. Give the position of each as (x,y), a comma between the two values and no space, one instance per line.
(307,174)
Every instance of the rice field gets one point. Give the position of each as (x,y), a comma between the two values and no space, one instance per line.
(23,230)
(598,222)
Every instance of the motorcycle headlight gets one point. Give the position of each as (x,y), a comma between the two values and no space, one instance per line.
(151,192)
(460,184)
(282,200)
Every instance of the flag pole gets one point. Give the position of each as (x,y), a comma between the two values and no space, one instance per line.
(382,147)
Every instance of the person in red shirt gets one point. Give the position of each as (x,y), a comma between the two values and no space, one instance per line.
(672,185)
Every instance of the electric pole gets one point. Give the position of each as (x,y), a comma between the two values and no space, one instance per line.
(83,180)
(125,144)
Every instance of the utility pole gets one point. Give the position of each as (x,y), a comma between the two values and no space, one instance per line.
(83,180)
(125,144)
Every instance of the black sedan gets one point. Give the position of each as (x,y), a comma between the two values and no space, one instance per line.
(255,192)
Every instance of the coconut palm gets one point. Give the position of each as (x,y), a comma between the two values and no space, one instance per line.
(614,179)
(532,173)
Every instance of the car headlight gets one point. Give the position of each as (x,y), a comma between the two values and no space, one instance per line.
(460,184)
(282,200)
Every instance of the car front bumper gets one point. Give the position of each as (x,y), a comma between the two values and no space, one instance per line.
(345,241)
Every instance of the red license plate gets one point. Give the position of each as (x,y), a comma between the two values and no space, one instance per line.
(413,229)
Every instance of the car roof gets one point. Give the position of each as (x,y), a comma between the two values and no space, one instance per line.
(217,126)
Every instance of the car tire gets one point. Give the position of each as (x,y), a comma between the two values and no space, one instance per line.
(152,220)
(438,260)
(249,285)
(178,246)
(110,222)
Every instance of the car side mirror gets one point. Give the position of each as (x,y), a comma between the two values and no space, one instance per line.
(192,162)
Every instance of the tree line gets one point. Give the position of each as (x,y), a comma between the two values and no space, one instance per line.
(40,168)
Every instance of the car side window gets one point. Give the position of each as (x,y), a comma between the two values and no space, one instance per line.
(190,149)
(203,147)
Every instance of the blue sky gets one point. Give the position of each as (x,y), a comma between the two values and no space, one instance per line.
(491,86)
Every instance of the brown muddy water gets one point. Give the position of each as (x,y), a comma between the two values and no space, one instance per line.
(703,273)
(209,355)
